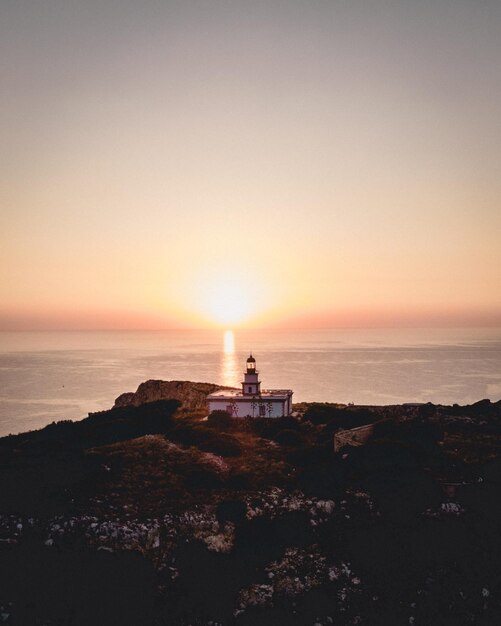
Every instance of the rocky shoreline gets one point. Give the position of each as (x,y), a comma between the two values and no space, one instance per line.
(145,514)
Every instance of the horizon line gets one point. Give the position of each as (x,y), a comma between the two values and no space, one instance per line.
(255,328)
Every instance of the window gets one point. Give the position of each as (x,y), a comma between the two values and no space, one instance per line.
(262,410)
(249,389)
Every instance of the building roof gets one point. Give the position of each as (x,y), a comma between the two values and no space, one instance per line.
(267,394)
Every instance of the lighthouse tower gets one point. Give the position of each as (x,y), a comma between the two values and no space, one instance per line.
(251,386)
(251,401)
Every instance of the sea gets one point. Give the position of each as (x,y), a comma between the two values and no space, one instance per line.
(51,376)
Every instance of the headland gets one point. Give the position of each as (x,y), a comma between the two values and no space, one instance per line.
(150,514)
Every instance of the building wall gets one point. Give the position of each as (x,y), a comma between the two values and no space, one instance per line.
(279,408)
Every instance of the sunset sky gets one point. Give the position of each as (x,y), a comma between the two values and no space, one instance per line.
(259,163)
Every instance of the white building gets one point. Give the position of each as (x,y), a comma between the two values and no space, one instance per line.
(252,401)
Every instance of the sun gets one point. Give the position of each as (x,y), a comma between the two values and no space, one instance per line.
(228,297)
(228,303)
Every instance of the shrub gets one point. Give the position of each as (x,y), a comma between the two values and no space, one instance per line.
(231,511)
(191,434)
(319,413)
(337,417)
(289,437)
(380,455)
(239,479)
(222,445)
(220,419)
(108,427)
(419,436)
(202,478)
(268,428)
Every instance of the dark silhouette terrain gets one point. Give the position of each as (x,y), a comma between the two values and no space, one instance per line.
(147,515)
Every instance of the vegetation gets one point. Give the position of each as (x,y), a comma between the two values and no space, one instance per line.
(149,515)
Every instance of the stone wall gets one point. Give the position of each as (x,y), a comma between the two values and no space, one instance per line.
(353,437)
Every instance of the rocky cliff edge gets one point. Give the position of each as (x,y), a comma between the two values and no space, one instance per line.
(191,395)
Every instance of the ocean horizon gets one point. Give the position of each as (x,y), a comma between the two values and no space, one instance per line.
(48,376)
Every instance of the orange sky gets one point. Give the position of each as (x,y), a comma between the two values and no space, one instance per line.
(259,164)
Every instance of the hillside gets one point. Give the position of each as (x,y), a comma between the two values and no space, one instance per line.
(144,514)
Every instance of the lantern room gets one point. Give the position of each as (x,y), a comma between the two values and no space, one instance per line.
(251,365)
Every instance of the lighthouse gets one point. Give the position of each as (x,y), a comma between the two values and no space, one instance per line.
(251,385)
(251,400)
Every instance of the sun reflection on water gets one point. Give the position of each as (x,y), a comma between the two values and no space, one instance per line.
(229,374)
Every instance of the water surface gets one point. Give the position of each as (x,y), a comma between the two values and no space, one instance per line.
(47,376)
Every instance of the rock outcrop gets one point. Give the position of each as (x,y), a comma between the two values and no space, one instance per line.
(191,395)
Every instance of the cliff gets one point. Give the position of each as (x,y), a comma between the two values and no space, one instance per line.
(191,395)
